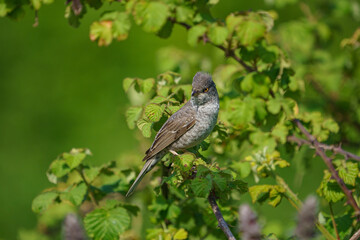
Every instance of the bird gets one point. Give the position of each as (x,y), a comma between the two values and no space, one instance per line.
(187,127)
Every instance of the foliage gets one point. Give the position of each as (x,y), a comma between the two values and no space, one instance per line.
(263,86)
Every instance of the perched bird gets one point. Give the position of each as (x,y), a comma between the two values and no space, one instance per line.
(186,128)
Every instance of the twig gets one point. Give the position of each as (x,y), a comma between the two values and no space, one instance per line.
(91,195)
(356,235)
(333,221)
(330,166)
(228,52)
(333,148)
(222,224)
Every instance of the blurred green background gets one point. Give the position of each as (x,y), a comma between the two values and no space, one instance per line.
(59,90)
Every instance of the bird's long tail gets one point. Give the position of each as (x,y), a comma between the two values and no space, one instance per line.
(147,167)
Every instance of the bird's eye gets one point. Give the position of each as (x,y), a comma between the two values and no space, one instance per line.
(206,89)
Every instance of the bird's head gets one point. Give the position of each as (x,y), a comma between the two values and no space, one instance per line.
(203,89)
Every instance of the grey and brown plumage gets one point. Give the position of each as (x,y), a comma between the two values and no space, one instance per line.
(186,128)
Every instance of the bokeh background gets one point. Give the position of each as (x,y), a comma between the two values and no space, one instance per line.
(59,90)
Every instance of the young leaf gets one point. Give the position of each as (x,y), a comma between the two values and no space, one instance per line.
(153,16)
(145,127)
(76,194)
(42,201)
(107,223)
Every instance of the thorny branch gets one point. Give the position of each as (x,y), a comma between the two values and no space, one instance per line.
(356,235)
(222,224)
(320,151)
(324,147)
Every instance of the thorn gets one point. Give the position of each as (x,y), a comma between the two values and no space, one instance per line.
(174,153)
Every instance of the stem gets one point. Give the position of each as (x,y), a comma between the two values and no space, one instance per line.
(333,148)
(356,235)
(333,221)
(222,224)
(91,194)
(330,166)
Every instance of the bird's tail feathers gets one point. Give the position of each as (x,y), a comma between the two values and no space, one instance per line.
(147,167)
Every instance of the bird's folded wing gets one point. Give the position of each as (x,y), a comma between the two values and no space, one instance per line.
(176,126)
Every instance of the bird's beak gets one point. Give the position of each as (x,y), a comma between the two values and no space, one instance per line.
(194,93)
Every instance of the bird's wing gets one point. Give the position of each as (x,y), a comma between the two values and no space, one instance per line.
(176,126)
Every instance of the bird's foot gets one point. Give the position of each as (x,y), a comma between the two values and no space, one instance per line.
(174,153)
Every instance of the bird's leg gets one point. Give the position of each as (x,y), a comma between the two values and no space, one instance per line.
(174,153)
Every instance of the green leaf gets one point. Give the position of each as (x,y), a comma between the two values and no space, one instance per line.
(201,186)
(145,127)
(280,132)
(274,105)
(181,234)
(36,4)
(348,171)
(249,31)
(147,85)
(331,125)
(195,33)
(91,173)
(152,16)
(184,13)
(256,190)
(217,34)
(257,84)
(121,26)
(185,161)
(127,82)
(329,188)
(43,201)
(166,30)
(74,158)
(220,182)
(154,112)
(173,212)
(132,116)
(57,169)
(107,223)
(101,31)
(232,21)
(76,194)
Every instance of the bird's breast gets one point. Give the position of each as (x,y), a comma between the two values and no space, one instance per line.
(206,118)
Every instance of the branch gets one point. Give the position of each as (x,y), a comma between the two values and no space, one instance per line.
(222,224)
(320,151)
(333,148)
(356,235)
(228,52)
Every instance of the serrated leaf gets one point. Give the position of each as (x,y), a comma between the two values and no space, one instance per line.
(101,31)
(107,223)
(329,189)
(195,33)
(153,112)
(145,127)
(43,201)
(132,116)
(217,34)
(201,186)
(121,26)
(76,194)
(348,171)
